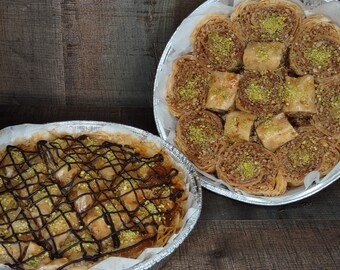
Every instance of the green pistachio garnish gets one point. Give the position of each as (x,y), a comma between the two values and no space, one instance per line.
(257,93)
(262,54)
(199,134)
(247,168)
(220,46)
(319,56)
(189,91)
(273,24)
(335,107)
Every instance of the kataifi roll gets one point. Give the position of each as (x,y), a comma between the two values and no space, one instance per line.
(315,49)
(198,136)
(327,119)
(187,86)
(268,20)
(218,42)
(251,168)
(260,94)
(310,151)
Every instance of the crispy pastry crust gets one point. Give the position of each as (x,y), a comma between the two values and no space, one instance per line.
(218,42)
(198,136)
(251,168)
(310,150)
(327,119)
(187,86)
(315,49)
(268,20)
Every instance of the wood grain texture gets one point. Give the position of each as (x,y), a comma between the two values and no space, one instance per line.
(31,57)
(283,244)
(324,205)
(94,52)
(137,117)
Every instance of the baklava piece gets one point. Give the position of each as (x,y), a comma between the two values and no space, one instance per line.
(309,151)
(315,49)
(251,168)
(198,136)
(222,91)
(264,56)
(327,118)
(260,94)
(268,20)
(238,126)
(299,96)
(218,42)
(275,132)
(187,86)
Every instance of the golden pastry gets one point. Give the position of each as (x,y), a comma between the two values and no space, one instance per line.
(187,85)
(251,168)
(71,201)
(198,136)
(218,42)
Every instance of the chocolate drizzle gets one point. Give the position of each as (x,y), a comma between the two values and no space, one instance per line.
(81,199)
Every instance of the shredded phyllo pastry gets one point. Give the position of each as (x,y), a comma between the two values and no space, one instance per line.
(311,150)
(315,49)
(217,41)
(187,88)
(198,135)
(252,168)
(272,109)
(327,118)
(71,201)
(268,20)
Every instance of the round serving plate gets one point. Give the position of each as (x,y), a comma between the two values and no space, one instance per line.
(180,44)
(151,257)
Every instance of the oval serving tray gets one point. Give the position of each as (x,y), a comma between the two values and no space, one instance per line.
(179,44)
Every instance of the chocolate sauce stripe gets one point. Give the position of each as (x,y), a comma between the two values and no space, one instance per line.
(54,157)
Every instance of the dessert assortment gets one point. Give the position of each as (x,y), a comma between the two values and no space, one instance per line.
(70,201)
(257,106)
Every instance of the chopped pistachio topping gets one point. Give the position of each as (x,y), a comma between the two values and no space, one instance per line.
(199,134)
(189,90)
(247,168)
(319,56)
(219,91)
(300,157)
(151,207)
(335,107)
(257,93)
(20,226)
(262,54)
(128,236)
(220,46)
(110,156)
(273,24)
(110,208)
(17,156)
(33,261)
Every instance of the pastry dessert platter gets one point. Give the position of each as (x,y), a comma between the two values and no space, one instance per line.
(77,193)
(251,97)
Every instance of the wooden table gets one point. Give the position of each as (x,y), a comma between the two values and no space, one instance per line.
(229,234)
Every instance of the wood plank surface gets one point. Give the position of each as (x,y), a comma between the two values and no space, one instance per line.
(75,52)
(274,244)
(31,56)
